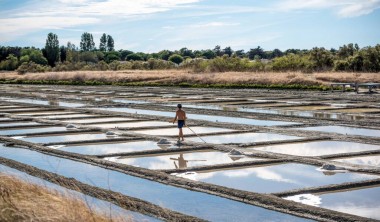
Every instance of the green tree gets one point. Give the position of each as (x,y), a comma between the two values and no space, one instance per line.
(322,58)
(87,42)
(11,63)
(103,43)
(217,51)
(208,54)
(164,54)
(240,53)
(35,55)
(124,53)
(227,51)
(72,54)
(63,53)
(347,50)
(88,57)
(112,56)
(6,51)
(185,52)
(134,57)
(176,58)
(110,44)
(52,49)
(253,53)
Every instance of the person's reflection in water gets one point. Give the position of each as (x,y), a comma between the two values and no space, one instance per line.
(182,163)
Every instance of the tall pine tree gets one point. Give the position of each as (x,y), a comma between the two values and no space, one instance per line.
(52,49)
(110,44)
(103,43)
(87,42)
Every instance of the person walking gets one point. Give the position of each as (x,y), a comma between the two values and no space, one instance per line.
(181,117)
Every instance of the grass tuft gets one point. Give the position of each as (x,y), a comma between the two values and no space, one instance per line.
(23,201)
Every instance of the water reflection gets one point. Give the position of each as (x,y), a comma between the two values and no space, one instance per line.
(68,116)
(127,101)
(211,118)
(205,206)
(362,160)
(181,160)
(65,138)
(30,101)
(104,148)
(317,148)
(96,120)
(19,124)
(186,131)
(345,130)
(243,138)
(32,130)
(39,113)
(132,125)
(363,202)
(277,178)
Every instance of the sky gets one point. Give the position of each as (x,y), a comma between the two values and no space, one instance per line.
(153,25)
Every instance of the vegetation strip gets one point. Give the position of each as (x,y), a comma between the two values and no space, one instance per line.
(181,84)
(121,200)
(263,200)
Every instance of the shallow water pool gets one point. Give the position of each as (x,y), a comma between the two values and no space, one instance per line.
(198,204)
(211,118)
(31,130)
(362,202)
(181,160)
(316,148)
(174,131)
(132,124)
(106,148)
(242,138)
(373,160)
(65,138)
(276,178)
(345,130)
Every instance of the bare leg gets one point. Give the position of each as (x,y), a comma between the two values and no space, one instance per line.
(181,134)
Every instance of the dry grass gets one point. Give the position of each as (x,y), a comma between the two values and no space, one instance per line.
(348,77)
(178,76)
(22,201)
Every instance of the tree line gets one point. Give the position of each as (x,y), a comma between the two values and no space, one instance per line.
(54,57)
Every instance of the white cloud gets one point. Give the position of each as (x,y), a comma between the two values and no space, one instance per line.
(60,14)
(364,8)
(344,8)
(106,8)
(14,27)
(214,24)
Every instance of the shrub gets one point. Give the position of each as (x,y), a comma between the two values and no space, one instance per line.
(11,63)
(175,58)
(134,57)
(32,67)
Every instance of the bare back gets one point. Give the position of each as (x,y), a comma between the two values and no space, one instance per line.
(180,115)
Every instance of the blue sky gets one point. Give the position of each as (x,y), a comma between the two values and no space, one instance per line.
(154,25)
